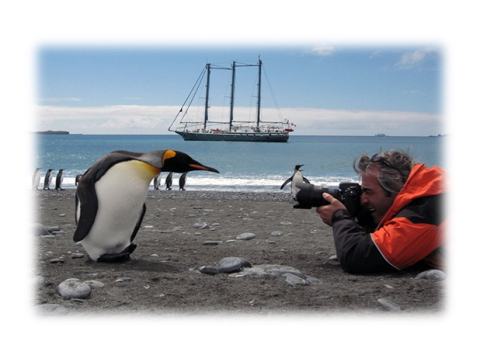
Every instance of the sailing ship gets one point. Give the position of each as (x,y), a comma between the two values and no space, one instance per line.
(206,129)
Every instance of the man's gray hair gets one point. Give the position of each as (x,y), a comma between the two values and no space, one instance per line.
(393,167)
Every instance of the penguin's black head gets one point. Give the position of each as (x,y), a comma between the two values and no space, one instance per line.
(164,160)
(297,167)
(176,161)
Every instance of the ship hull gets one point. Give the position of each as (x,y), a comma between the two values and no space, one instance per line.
(236,136)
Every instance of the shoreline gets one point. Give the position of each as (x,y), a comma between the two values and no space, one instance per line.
(183,231)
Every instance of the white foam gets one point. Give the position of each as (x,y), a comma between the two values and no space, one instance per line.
(247,183)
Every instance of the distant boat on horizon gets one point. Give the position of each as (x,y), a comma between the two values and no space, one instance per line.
(50,132)
(233,130)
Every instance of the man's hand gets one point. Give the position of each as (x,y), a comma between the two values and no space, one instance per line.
(326,212)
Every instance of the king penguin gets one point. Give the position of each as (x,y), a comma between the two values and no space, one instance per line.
(182,181)
(169,181)
(48,179)
(156,182)
(296,178)
(110,199)
(59,180)
(36,178)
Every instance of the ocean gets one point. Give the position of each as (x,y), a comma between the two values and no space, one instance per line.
(243,166)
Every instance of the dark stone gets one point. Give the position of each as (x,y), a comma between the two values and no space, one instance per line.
(232,264)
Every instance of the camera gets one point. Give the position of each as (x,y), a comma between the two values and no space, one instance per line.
(348,193)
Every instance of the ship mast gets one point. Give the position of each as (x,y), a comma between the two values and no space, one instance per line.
(232,97)
(259,91)
(206,97)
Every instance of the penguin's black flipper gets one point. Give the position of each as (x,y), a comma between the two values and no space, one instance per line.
(137,226)
(123,256)
(88,207)
(284,183)
(306,180)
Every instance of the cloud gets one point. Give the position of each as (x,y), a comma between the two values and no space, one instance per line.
(105,119)
(323,50)
(413,59)
(363,122)
(309,121)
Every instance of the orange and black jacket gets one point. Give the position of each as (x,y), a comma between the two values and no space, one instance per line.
(411,231)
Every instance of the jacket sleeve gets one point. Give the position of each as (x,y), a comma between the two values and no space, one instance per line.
(356,250)
(414,233)
(404,243)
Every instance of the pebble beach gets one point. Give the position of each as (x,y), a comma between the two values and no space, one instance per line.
(209,252)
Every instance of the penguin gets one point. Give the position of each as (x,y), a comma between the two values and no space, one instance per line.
(77,179)
(36,178)
(48,179)
(182,181)
(168,181)
(110,199)
(297,177)
(156,182)
(59,180)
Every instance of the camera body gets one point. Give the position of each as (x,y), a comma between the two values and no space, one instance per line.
(348,193)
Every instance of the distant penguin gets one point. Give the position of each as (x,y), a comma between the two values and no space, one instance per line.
(156,182)
(77,179)
(110,199)
(36,178)
(59,180)
(48,179)
(296,178)
(182,181)
(169,181)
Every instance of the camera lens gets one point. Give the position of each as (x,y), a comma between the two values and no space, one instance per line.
(309,196)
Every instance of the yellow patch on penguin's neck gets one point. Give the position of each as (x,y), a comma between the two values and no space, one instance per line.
(144,169)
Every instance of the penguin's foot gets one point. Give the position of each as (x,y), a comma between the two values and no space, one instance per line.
(123,256)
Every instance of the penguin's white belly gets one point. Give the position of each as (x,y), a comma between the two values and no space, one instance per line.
(121,195)
(297,178)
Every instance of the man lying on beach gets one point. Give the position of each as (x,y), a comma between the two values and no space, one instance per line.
(404,198)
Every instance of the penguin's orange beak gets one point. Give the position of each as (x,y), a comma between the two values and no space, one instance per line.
(203,168)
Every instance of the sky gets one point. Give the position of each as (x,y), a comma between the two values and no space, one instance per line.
(323,89)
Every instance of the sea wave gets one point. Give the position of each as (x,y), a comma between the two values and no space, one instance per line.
(230,183)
